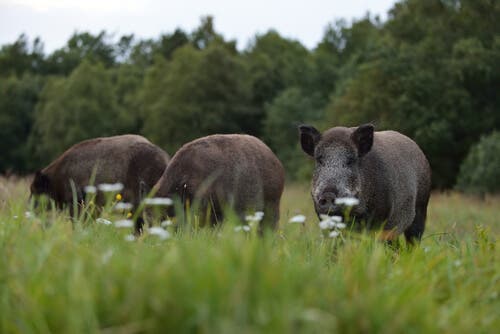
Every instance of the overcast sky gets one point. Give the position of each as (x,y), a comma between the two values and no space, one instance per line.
(55,20)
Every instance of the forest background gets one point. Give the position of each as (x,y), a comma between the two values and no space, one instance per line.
(430,70)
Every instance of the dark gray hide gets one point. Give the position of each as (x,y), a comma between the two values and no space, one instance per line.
(385,170)
(237,171)
(128,159)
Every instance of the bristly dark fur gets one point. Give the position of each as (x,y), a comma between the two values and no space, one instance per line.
(385,170)
(129,159)
(238,171)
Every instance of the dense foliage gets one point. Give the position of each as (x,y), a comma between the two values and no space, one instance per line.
(480,171)
(430,71)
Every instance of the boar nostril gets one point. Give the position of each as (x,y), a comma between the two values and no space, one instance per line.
(326,201)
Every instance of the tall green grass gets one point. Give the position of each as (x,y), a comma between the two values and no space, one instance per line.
(58,277)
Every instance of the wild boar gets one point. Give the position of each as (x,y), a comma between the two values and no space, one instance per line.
(128,159)
(386,171)
(220,171)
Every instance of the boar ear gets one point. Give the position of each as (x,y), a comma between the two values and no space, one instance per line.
(309,137)
(41,183)
(363,138)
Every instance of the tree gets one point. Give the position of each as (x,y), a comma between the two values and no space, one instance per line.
(428,82)
(127,80)
(205,35)
(72,109)
(81,46)
(274,64)
(199,92)
(168,43)
(480,171)
(142,53)
(340,52)
(288,110)
(123,48)
(19,58)
(18,97)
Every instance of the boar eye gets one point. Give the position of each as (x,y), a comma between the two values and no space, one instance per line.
(319,159)
(350,160)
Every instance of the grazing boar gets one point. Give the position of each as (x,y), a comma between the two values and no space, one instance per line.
(219,171)
(127,159)
(386,171)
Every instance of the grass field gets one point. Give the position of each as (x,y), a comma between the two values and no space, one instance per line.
(59,277)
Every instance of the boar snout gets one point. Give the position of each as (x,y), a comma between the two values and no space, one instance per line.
(326,204)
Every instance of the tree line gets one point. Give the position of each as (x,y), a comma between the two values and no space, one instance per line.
(430,70)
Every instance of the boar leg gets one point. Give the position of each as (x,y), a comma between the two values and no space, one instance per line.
(401,219)
(271,216)
(139,225)
(414,232)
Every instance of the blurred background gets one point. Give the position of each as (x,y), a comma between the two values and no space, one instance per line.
(72,70)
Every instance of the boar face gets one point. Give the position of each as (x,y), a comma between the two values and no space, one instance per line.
(338,155)
(40,184)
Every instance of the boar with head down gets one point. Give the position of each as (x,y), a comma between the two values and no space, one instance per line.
(221,171)
(131,160)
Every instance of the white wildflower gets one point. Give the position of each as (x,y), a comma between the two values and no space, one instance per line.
(159,232)
(256,217)
(29,214)
(166,223)
(103,221)
(110,187)
(124,223)
(331,222)
(336,219)
(324,217)
(130,237)
(334,234)
(158,201)
(123,206)
(340,225)
(457,263)
(245,228)
(347,201)
(298,219)
(90,189)
(326,224)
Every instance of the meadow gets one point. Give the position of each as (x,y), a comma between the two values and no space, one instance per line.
(58,276)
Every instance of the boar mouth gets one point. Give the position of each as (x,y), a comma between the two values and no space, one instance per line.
(353,215)
(332,211)
(337,211)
